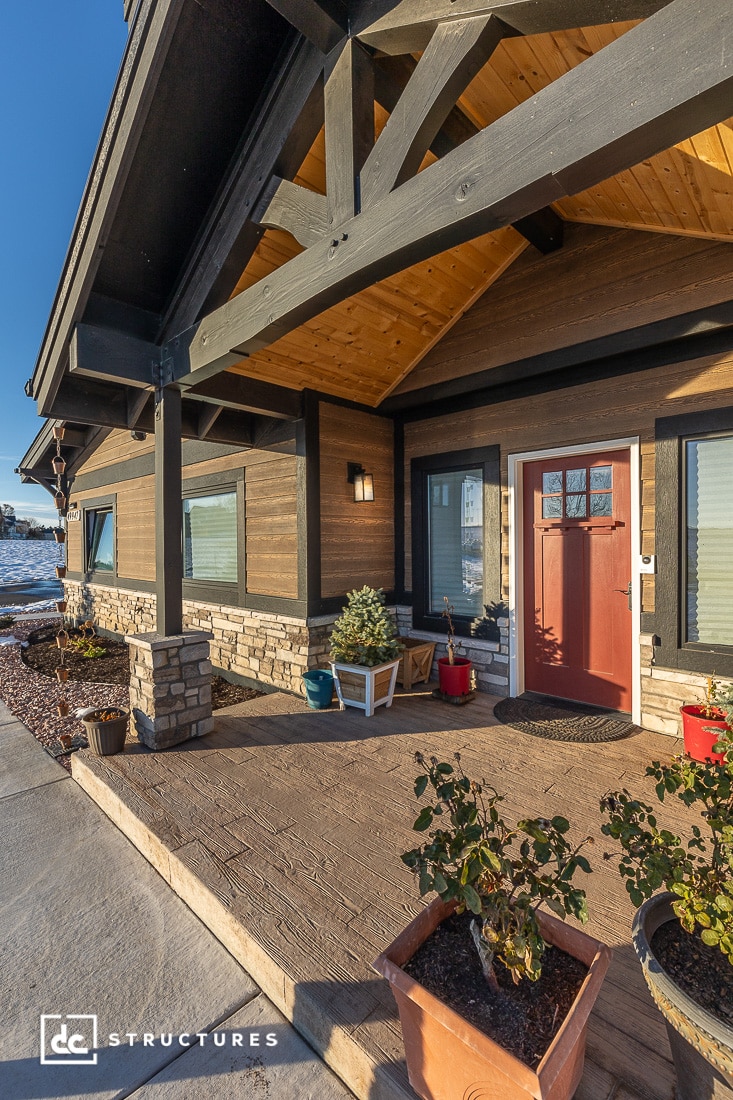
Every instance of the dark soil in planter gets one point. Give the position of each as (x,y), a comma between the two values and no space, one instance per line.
(702,972)
(523,1018)
(113,667)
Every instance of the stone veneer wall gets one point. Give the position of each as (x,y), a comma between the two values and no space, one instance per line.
(490,659)
(664,691)
(274,649)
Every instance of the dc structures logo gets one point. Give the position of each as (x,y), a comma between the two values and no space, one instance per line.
(68,1040)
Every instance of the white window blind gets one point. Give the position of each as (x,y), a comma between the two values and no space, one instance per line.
(210,538)
(456,541)
(710,540)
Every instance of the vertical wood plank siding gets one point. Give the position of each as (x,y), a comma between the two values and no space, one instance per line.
(357,540)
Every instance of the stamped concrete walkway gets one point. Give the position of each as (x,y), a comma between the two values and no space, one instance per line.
(283,829)
(90,929)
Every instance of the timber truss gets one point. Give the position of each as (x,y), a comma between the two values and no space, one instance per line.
(384,210)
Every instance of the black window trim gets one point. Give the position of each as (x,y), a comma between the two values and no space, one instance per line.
(107,503)
(672,650)
(487,459)
(229,593)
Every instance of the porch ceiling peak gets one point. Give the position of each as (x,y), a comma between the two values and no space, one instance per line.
(628,102)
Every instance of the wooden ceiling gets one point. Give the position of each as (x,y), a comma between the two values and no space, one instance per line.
(362,348)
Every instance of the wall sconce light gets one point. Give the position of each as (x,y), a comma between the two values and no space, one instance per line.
(362,481)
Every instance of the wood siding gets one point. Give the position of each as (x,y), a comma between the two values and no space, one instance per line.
(357,540)
(270,512)
(605,410)
(602,281)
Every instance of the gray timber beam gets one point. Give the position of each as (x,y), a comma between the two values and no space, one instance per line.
(111,356)
(408,25)
(626,103)
(349,128)
(455,53)
(295,209)
(249,394)
(323,22)
(275,144)
(168,518)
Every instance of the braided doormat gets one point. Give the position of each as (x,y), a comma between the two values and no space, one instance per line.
(562,723)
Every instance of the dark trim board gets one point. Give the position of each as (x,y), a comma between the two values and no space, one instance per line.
(672,651)
(399,509)
(692,335)
(487,458)
(309,506)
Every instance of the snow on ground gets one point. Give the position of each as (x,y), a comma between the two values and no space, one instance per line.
(22,563)
(28,561)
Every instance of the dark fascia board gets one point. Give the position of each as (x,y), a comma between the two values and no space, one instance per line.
(324,22)
(147,48)
(690,335)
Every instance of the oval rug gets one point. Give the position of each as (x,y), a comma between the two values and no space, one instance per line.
(562,723)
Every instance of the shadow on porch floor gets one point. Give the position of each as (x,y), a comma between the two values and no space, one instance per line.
(282,831)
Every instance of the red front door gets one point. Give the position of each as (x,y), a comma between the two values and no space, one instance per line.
(577,568)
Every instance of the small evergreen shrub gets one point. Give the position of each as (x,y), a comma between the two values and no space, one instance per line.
(365,634)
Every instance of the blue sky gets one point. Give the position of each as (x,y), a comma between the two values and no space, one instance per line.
(58,65)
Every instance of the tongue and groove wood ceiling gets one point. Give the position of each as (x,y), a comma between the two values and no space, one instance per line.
(362,348)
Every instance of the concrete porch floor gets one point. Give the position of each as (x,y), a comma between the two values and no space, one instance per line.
(282,831)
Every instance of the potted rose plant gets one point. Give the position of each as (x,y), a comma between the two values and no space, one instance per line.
(491,879)
(684,936)
(365,652)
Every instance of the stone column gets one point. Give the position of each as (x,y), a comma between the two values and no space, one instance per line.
(170,687)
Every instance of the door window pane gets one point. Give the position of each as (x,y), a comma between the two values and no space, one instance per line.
(210,538)
(709,538)
(100,532)
(575,481)
(456,541)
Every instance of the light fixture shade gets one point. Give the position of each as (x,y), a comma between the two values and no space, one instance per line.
(363,488)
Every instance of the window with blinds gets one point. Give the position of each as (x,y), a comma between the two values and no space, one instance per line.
(455,517)
(709,549)
(210,538)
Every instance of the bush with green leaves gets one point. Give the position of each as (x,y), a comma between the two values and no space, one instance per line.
(499,872)
(364,633)
(697,869)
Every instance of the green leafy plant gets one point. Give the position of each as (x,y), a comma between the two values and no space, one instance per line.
(697,869)
(365,634)
(87,642)
(499,872)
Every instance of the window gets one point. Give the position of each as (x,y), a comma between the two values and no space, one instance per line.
(100,540)
(210,538)
(693,590)
(709,540)
(455,509)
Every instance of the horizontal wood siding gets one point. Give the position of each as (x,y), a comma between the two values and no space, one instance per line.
(270,514)
(357,540)
(602,281)
(271,525)
(609,409)
(117,446)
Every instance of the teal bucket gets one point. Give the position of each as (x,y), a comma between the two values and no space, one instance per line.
(318,688)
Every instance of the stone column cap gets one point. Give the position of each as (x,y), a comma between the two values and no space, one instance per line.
(153,640)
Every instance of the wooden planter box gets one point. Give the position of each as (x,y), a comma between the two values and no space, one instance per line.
(363,687)
(416,662)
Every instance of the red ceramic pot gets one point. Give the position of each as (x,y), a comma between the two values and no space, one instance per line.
(454,679)
(698,741)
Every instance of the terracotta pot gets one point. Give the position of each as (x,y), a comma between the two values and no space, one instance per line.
(701,1044)
(106,738)
(454,679)
(449,1059)
(698,742)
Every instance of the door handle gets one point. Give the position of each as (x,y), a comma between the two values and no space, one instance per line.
(625,592)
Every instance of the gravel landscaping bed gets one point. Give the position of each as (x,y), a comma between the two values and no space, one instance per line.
(29,689)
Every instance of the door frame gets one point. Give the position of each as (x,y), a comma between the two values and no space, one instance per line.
(516,464)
